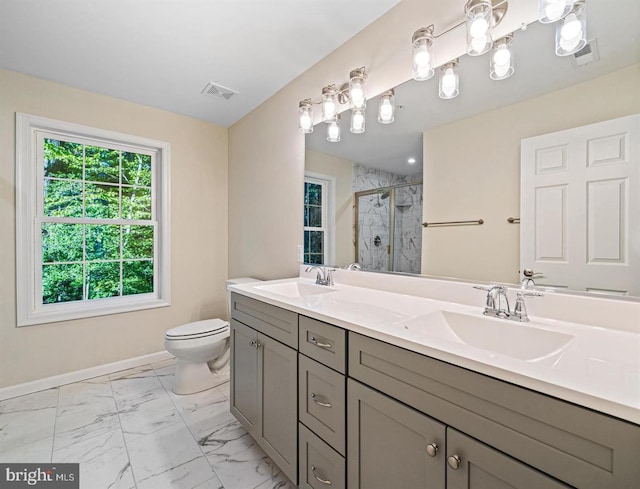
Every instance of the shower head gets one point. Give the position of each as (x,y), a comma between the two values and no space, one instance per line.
(384,195)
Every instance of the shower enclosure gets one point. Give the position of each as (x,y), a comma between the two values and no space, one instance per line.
(388,233)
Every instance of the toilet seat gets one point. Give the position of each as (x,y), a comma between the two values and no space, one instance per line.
(198,329)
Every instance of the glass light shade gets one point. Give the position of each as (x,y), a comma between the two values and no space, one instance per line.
(449,86)
(333,130)
(357,95)
(553,10)
(501,63)
(305,117)
(357,121)
(329,103)
(386,109)
(479,24)
(571,33)
(422,55)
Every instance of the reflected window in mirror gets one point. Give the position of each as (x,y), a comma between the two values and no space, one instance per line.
(318,232)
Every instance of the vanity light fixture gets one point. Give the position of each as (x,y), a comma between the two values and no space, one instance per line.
(333,130)
(422,41)
(571,32)
(386,108)
(329,103)
(550,11)
(357,121)
(449,80)
(357,82)
(501,63)
(305,116)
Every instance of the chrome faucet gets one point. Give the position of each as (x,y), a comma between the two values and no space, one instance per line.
(324,275)
(494,305)
(497,303)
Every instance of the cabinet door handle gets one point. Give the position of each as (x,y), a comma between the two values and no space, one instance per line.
(315,341)
(319,479)
(314,396)
(253,343)
(432,449)
(258,345)
(454,461)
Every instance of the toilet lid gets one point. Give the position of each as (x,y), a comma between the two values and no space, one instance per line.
(198,328)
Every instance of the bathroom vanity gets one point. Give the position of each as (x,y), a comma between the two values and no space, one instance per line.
(345,386)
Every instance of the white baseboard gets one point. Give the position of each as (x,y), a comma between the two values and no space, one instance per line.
(78,375)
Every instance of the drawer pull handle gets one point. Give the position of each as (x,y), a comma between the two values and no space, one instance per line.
(319,403)
(454,462)
(319,479)
(432,449)
(315,341)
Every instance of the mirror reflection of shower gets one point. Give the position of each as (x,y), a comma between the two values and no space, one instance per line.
(389,228)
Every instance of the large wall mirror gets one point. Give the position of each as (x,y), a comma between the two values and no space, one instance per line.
(368,195)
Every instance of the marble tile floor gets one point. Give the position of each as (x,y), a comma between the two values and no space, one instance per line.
(129,430)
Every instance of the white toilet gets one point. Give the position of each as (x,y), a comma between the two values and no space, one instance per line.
(202,351)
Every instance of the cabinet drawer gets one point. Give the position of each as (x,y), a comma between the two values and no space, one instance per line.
(323,342)
(322,401)
(280,324)
(320,466)
(581,447)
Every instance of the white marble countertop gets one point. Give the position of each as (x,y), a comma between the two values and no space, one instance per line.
(595,367)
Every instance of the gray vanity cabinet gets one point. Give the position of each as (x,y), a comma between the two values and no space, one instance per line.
(244,376)
(264,379)
(391,445)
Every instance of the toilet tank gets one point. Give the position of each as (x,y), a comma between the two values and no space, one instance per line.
(236,281)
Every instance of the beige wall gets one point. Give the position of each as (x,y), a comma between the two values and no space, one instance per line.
(342,170)
(198,239)
(481,178)
(266,152)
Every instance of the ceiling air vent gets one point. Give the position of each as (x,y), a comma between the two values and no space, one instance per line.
(218,91)
(588,54)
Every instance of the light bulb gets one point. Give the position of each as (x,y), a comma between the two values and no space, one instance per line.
(570,33)
(329,109)
(305,121)
(357,121)
(479,26)
(554,10)
(571,29)
(502,56)
(448,86)
(422,57)
(305,116)
(448,82)
(479,44)
(357,95)
(386,108)
(333,132)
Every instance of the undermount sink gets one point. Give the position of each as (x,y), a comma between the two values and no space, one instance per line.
(295,289)
(501,336)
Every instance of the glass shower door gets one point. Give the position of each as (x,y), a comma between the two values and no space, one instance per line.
(373,246)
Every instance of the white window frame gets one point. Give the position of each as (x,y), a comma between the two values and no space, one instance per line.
(29,172)
(328,183)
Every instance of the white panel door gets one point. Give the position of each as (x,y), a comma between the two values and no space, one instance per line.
(580,207)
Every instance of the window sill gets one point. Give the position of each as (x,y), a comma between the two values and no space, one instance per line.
(52,313)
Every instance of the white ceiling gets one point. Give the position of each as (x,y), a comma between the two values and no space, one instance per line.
(538,71)
(162,53)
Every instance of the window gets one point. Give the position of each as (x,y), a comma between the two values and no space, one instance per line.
(318,202)
(92,221)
